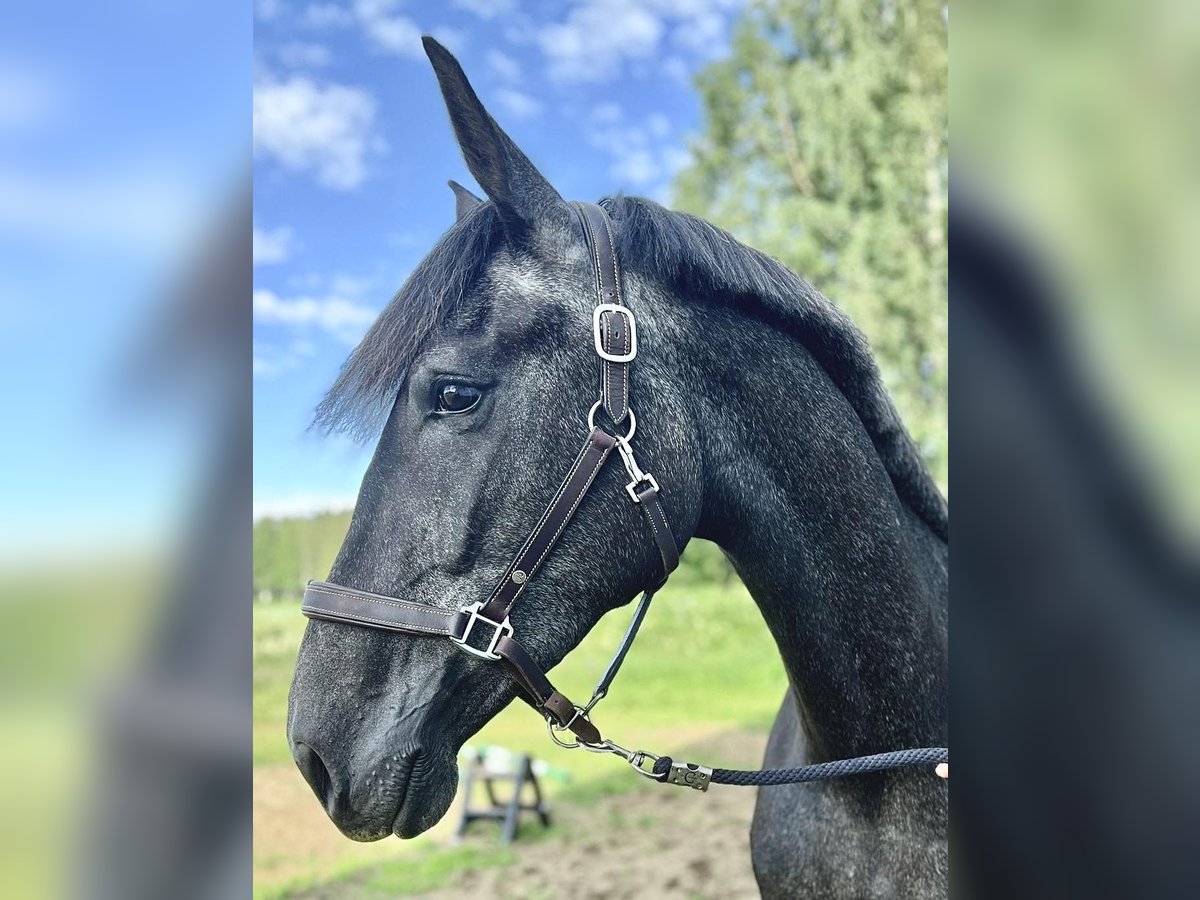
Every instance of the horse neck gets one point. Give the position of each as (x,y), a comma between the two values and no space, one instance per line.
(850,582)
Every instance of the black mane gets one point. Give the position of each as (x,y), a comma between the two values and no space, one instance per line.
(699,260)
(686,253)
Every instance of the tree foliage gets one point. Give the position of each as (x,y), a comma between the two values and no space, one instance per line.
(288,552)
(826,146)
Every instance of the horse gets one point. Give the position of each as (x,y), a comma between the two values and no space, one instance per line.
(764,417)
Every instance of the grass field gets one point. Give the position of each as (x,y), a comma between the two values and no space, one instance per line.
(704,667)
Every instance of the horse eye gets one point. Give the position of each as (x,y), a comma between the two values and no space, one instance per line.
(458,398)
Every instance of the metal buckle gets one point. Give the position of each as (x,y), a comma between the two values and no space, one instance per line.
(646,478)
(502,629)
(598,336)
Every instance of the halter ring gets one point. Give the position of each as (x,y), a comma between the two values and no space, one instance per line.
(591,419)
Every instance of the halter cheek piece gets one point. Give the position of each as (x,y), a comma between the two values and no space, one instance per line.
(483,628)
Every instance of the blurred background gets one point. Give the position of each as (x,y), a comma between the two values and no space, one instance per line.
(125,131)
(816,131)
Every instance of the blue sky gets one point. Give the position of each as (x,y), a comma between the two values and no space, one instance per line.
(124,133)
(353,149)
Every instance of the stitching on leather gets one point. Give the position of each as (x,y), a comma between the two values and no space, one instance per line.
(612,246)
(337,614)
(653,508)
(574,506)
(607,366)
(657,536)
(592,244)
(625,343)
(370,598)
(594,248)
(507,578)
(578,499)
(627,339)
(625,374)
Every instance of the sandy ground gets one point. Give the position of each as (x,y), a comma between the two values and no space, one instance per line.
(656,841)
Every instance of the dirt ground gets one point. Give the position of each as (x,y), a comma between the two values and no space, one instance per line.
(655,841)
(669,844)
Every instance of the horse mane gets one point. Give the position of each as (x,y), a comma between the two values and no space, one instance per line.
(698,259)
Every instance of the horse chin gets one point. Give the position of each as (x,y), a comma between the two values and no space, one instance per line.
(430,791)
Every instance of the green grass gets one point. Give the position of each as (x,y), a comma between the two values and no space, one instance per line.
(423,871)
(704,664)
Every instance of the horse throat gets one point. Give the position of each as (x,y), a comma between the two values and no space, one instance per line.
(850,581)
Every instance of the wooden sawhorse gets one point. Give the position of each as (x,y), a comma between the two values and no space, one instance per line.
(506,811)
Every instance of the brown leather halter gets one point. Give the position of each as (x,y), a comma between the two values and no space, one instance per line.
(483,629)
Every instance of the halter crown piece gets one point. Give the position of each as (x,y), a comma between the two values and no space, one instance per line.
(483,628)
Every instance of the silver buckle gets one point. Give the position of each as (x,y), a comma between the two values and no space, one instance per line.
(598,337)
(646,478)
(502,629)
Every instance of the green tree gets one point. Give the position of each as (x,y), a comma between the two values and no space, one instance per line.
(288,552)
(826,146)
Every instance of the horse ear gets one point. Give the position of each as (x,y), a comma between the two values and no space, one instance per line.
(524,198)
(464,201)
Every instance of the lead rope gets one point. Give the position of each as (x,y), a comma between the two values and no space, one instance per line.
(664,769)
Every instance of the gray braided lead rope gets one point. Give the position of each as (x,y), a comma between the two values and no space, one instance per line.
(895,759)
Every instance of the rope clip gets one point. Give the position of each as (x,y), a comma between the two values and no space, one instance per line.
(690,775)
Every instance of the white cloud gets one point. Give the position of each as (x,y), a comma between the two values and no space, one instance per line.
(597,36)
(642,155)
(305,126)
(383,23)
(504,65)
(302,55)
(702,32)
(451,38)
(520,105)
(326,15)
(272,246)
(675,159)
(607,113)
(270,361)
(486,9)
(267,10)
(677,70)
(659,125)
(637,168)
(332,313)
(389,30)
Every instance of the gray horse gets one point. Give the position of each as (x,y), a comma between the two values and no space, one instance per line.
(761,413)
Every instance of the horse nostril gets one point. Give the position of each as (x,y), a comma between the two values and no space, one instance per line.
(314,770)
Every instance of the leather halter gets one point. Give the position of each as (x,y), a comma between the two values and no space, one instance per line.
(483,628)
